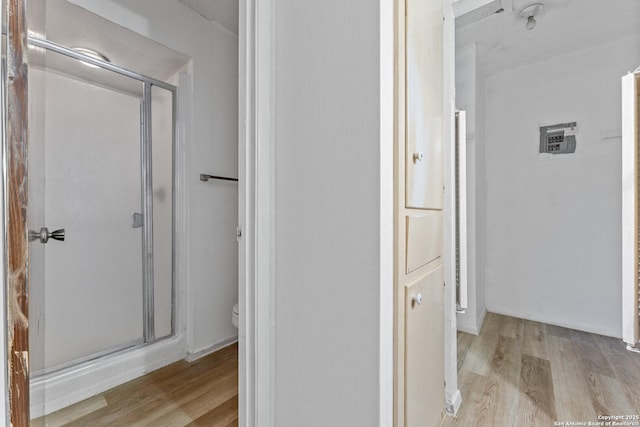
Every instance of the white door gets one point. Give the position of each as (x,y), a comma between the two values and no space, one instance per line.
(630,200)
(85,161)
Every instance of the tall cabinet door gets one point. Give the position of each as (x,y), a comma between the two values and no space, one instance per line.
(424,354)
(424,104)
(419,290)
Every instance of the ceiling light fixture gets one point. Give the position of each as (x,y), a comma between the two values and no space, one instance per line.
(529,13)
(92,54)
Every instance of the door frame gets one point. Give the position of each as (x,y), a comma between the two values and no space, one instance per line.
(255,196)
(630,218)
(16,292)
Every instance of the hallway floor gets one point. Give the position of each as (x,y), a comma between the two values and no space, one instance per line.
(199,394)
(523,373)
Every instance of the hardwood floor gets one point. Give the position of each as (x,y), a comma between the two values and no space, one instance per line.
(198,394)
(516,373)
(519,373)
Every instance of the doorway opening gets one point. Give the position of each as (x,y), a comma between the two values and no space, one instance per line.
(542,98)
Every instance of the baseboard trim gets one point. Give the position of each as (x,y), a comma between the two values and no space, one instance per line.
(483,314)
(468,329)
(473,329)
(562,324)
(57,390)
(633,348)
(191,357)
(453,403)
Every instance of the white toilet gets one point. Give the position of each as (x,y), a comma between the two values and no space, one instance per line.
(234,315)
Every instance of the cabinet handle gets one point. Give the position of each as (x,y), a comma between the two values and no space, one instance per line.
(417,299)
(417,157)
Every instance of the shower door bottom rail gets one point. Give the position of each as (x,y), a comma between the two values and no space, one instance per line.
(86,360)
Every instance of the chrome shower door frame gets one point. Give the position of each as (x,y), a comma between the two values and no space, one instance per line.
(146,179)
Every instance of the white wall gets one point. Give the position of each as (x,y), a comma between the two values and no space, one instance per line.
(327,213)
(210,272)
(480,144)
(552,221)
(466,85)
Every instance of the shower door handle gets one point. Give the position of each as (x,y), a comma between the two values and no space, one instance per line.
(57,234)
(44,235)
(138,220)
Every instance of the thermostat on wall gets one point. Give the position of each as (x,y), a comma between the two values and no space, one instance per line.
(558,139)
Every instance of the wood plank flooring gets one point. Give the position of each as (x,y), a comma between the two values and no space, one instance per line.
(199,394)
(519,373)
(516,373)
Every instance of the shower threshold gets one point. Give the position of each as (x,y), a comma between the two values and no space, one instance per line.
(64,386)
(86,360)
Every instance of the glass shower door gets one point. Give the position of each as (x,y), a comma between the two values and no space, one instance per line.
(85,173)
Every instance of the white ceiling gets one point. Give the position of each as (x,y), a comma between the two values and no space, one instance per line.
(564,25)
(224,12)
(502,40)
(73,26)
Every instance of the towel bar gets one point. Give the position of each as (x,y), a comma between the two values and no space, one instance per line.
(205,178)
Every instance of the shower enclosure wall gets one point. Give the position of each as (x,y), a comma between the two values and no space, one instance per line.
(101,214)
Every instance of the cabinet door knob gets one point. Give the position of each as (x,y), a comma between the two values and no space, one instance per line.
(417,157)
(417,299)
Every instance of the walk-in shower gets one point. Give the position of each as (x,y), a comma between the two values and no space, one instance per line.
(101,212)
(94,169)
(103,174)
